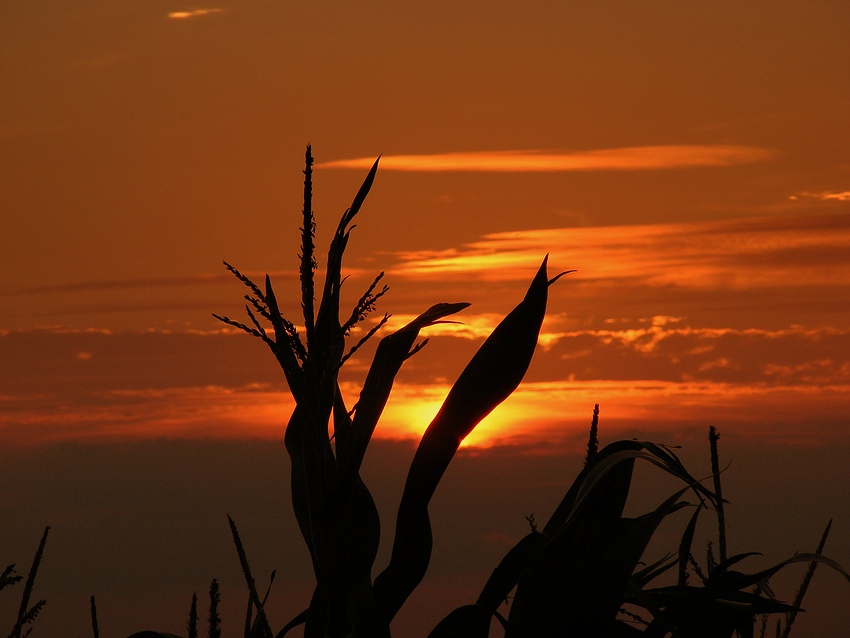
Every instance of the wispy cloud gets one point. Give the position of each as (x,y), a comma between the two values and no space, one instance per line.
(689,320)
(541,161)
(795,355)
(132,284)
(192,13)
(824,196)
(645,339)
(138,414)
(733,254)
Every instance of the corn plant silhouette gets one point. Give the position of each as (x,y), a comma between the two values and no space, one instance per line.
(572,578)
(26,614)
(575,577)
(333,507)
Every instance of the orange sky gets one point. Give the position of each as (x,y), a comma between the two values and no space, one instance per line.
(690,162)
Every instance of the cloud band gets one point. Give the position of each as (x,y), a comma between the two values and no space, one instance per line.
(537,161)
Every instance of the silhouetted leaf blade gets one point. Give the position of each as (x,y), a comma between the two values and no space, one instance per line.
(490,377)
(506,575)
(469,621)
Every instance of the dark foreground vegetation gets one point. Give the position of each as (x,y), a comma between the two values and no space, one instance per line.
(582,574)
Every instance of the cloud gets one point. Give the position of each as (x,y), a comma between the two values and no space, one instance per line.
(127,284)
(702,312)
(87,385)
(825,196)
(540,161)
(114,284)
(249,412)
(645,339)
(730,254)
(193,13)
(815,358)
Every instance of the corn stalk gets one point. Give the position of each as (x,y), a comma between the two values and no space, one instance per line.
(333,507)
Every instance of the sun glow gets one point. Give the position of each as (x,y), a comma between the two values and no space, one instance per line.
(706,349)
(536,414)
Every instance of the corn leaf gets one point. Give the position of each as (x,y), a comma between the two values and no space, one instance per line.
(610,457)
(506,575)
(391,353)
(470,621)
(578,581)
(490,377)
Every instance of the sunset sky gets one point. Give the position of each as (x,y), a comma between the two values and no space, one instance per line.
(689,160)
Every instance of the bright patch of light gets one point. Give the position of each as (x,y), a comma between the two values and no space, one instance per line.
(194,13)
(525,161)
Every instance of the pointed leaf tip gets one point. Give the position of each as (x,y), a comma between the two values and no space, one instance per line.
(540,282)
(360,197)
(541,273)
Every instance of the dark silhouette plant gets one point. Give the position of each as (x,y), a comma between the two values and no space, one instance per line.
(334,509)
(9,577)
(578,575)
(572,578)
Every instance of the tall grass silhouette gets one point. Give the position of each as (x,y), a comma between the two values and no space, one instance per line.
(9,577)
(334,509)
(581,575)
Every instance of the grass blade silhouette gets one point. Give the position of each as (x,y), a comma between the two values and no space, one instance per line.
(249,580)
(94,629)
(490,377)
(214,623)
(27,614)
(192,623)
(804,585)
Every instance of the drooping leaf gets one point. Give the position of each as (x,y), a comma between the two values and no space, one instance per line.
(654,570)
(742,581)
(610,457)
(722,569)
